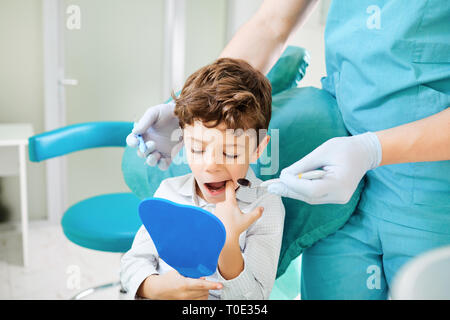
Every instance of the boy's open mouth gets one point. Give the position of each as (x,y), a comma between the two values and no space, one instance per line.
(215,188)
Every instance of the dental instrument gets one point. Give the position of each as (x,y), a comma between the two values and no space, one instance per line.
(142,146)
(310,175)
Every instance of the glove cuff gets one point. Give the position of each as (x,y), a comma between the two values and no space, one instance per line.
(373,146)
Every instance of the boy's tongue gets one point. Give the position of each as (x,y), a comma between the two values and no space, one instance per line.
(216,184)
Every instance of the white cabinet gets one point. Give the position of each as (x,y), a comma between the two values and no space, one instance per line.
(13,161)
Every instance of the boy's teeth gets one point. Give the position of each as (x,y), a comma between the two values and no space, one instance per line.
(216,184)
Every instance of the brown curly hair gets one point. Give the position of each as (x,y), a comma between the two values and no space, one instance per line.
(229,91)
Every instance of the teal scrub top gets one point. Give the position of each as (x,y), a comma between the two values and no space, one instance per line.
(388,63)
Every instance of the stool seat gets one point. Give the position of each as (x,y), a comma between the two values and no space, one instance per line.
(106,222)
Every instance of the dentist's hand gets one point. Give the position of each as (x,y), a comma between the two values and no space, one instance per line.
(345,160)
(158,127)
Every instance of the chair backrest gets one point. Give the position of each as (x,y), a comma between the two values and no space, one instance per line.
(77,137)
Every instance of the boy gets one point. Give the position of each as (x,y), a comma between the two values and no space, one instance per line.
(217,104)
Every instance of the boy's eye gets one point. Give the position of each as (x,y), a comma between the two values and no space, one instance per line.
(234,156)
(196,151)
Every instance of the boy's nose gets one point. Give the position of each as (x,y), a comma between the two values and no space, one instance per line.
(212,161)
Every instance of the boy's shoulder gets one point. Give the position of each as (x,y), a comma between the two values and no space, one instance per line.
(274,210)
(177,181)
(265,197)
(175,185)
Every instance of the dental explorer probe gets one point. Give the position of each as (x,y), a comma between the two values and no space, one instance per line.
(310,175)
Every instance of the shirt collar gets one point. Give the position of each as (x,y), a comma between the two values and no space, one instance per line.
(248,195)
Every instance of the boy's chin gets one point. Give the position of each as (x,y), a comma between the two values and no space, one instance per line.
(214,201)
(217,199)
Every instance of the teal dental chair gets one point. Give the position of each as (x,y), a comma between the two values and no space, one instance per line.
(106,222)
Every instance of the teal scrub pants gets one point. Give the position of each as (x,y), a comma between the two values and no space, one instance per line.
(360,260)
(384,72)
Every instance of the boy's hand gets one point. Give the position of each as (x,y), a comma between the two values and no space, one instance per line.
(173,286)
(234,220)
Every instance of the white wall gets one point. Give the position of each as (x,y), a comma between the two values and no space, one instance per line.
(21,93)
(205,32)
(116,57)
(311,37)
(238,13)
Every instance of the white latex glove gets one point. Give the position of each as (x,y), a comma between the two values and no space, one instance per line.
(158,127)
(345,160)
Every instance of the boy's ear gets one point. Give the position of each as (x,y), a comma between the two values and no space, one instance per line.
(260,149)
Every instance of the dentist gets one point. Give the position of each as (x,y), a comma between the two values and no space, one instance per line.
(388,66)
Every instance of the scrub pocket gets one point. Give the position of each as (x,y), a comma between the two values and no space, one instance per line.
(430,52)
(432,184)
(432,37)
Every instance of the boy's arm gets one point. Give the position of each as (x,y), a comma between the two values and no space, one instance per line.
(141,261)
(231,263)
(251,274)
(138,263)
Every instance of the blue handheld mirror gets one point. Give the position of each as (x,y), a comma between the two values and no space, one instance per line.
(188,238)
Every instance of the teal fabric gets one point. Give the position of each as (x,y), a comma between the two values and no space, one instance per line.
(287,286)
(142,179)
(388,76)
(289,69)
(304,118)
(360,260)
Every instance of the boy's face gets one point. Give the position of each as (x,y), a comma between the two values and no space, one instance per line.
(216,155)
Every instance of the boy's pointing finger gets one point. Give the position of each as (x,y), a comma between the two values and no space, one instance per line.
(230,192)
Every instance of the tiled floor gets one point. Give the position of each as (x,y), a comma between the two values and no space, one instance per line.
(58,269)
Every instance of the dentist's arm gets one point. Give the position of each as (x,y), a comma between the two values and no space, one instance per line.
(427,139)
(262,39)
(347,159)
